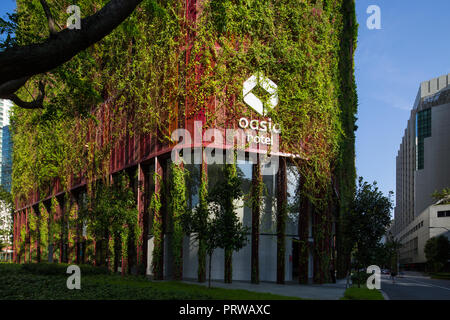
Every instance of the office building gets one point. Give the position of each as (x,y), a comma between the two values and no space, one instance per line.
(422,169)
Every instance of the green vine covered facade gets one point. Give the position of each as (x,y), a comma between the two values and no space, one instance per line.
(93,180)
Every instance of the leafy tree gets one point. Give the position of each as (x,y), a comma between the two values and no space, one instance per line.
(392,248)
(443,196)
(203,227)
(231,232)
(437,252)
(18,63)
(366,222)
(111,216)
(214,224)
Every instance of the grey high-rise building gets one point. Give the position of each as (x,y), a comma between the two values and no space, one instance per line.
(423,162)
(5,145)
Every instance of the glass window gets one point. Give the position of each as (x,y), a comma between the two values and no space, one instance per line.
(423,130)
(193,175)
(443,214)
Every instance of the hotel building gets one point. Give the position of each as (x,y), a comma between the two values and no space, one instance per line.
(298,243)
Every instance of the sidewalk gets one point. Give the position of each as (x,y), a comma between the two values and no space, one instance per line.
(330,291)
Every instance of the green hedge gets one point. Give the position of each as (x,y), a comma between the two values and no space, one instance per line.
(355,293)
(362,276)
(60,269)
(440,275)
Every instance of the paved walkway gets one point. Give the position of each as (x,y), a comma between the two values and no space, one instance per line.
(331,291)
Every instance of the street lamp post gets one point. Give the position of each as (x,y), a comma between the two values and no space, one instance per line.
(439,228)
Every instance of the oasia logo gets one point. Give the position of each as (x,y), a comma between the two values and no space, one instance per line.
(253,101)
(252,134)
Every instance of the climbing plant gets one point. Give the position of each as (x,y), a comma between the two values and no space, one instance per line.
(157,231)
(168,61)
(178,210)
(111,214)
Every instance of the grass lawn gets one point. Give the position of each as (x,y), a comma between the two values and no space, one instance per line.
(355,293)
(19,282)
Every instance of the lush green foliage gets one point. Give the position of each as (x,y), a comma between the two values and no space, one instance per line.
(386,255)
(359,278)
(367,222)
(146,76)
(178,209)
(198,223)
(60,269)
(18,284)
(295,43)
(214,223)
(8,27)
(231,233)
(443,196)
(437,252)
(111,216)
(440,275)
(157,231)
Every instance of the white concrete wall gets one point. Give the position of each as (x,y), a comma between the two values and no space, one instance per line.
(436,173)
(430,219)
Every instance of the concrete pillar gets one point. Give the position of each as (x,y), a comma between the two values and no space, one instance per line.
(281,220)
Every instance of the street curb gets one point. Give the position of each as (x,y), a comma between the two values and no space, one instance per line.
(385,296)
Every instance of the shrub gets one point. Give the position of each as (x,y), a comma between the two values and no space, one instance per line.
(354,293)
(360,277)
(61,268)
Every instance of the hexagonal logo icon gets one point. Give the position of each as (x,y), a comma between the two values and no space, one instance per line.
(253,101)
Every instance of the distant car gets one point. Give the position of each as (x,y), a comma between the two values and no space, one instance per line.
(385,271)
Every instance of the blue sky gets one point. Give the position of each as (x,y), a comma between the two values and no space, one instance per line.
(7,6)
(411,47)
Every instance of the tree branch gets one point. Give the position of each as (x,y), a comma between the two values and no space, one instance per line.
(48,14)
(35,104)
(23,62)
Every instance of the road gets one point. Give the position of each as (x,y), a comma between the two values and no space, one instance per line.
(414,286)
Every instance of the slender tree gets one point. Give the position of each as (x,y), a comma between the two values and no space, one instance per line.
(232,233)
(437,252)
(367,221)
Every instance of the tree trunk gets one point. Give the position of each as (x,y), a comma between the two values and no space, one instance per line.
(209,276)
(18,64)
(201,274)
(228,277)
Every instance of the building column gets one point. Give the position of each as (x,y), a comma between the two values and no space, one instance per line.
(35,209)
(61,219)
(256,216)
(27,237)
(303,236)
(143,220)
(281,219)
(158,240)
(14,236)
